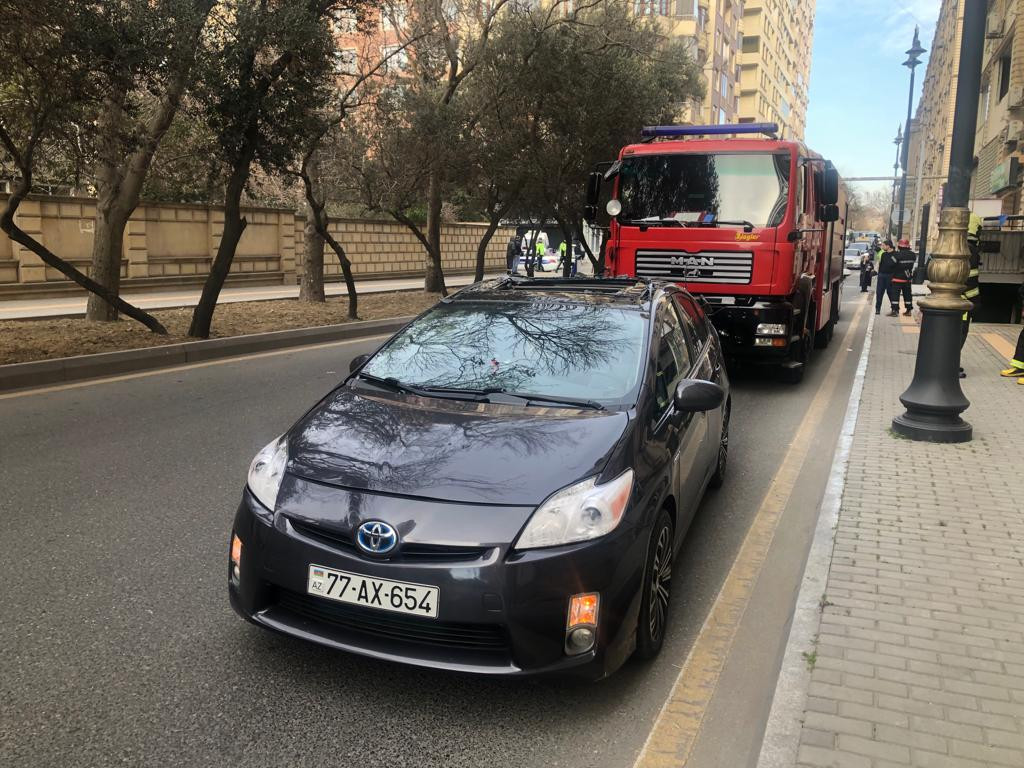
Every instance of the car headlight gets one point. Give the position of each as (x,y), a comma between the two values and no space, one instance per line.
(580,512)
(267,471)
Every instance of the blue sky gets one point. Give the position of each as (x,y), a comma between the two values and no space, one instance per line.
(858,84)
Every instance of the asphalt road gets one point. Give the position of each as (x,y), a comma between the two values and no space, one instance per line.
(118,647)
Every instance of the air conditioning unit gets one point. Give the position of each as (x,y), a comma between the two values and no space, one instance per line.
(1016,96)
(1014,131)
(994,28)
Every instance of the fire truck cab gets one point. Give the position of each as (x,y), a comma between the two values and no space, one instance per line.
(750,223)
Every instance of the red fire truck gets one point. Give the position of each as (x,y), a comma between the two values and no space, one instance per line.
(750,223)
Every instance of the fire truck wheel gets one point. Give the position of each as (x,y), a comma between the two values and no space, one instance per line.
(824,336)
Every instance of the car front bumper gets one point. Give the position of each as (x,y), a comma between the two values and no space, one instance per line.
(502,613)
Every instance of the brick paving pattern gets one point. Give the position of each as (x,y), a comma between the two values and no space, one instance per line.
(920,655)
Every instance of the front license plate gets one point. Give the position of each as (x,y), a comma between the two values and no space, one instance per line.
(387,595)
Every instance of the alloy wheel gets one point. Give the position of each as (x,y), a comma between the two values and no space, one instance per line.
(661,577)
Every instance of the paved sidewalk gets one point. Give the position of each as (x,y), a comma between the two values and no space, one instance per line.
(919,658)
(74,305)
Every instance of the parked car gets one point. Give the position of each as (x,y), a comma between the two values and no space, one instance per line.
(852,257)
(501,488)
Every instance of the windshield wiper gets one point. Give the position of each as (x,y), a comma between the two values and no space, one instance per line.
(555,399)
(422,391)
(747,226)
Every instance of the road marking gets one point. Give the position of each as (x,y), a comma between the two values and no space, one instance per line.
(679,723)
(1000,345)
(187,367)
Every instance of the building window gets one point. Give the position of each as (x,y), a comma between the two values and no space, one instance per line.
(1004,76)
(651,7)
(722,120)
(724,86)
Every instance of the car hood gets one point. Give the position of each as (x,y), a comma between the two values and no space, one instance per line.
(452,450)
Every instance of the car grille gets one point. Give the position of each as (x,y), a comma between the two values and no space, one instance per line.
(395,626)
(407,552)
(705,267)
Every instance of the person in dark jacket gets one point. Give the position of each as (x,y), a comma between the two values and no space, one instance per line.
(512,253)
(886,267)
(902,277)
(867,269)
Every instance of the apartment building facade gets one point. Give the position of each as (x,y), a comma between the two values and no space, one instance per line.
(776,63)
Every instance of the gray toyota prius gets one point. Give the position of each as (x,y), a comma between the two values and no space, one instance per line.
(501,488)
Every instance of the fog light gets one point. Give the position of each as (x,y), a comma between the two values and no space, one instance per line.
(583,610)
(580,639)
(236,557)
(771,329)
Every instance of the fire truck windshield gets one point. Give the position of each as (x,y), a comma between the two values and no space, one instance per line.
(702,189)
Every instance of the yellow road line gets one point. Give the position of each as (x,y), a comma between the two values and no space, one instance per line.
(679,723)
(187,367)
(1000,345)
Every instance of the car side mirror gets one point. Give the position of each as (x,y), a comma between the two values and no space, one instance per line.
(695,395)
(357,362)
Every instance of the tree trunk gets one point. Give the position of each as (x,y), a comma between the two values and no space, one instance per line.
(15,233)
(598,264)
(107,253)
(234,226)
(346,267)
(481,248)
(312,286)
(434,279)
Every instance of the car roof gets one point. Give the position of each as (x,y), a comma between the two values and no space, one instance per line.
(632,292)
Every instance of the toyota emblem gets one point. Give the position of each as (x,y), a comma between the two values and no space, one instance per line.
(376,538)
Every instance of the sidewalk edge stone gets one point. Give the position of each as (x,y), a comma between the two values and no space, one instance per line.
(68,369)
(782,732)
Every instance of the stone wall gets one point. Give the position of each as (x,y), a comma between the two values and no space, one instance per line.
(167,244)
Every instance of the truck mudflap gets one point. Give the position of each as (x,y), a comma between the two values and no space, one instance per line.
(759,331)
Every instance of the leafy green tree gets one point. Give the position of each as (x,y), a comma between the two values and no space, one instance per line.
(268,73)
(50,90)
(144,52)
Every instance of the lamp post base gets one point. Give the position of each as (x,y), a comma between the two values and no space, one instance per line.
(934,400)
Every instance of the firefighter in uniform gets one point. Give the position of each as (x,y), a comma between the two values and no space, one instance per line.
(1016,367)
(972,290)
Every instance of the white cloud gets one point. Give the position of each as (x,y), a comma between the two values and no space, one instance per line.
(889,24)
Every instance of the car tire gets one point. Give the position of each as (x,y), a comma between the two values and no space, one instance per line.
(657,589)
(718,479)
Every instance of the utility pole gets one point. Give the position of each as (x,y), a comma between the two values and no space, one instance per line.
(934,399)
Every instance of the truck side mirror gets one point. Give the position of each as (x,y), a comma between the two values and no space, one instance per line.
(829,213)
(830,187)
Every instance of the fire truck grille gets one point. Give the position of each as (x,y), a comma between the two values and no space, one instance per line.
(726,267)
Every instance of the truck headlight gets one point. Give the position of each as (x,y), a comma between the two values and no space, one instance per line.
(771,329)
(580,512)
(267,471)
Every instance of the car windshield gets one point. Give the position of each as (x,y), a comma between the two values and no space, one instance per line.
(543,347)
(734,188)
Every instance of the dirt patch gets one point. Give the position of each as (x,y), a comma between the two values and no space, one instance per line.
(24,340)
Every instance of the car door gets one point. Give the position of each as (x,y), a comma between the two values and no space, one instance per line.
(681,434)
(707,365)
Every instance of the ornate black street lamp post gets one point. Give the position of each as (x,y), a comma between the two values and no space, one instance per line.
(934,400)
(898,141)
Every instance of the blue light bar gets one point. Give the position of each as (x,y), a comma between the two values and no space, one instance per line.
(769,129)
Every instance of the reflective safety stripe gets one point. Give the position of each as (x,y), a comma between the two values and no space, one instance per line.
(964,317)
(970,293)
(974,273)
(1017,364)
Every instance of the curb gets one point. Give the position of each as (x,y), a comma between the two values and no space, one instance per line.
(67,369)
(781,739)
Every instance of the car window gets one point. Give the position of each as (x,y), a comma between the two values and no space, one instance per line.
(673,361)
(542,347)
(694,312)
